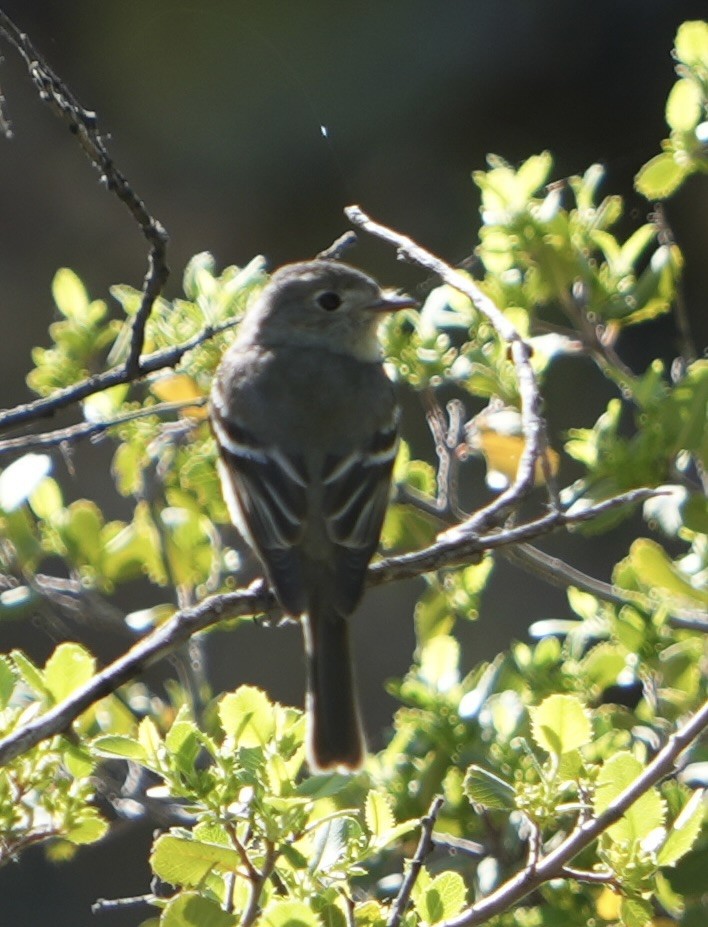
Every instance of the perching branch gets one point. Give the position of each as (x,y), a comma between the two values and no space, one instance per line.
(83,124)
(257,599)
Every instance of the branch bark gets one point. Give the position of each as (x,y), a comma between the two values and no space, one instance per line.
(257,599)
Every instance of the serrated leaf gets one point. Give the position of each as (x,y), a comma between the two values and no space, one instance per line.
(247,716)
(189,909)
(684,832)
(443,898)
(112,745)
(561,723)
(647,812)
(329,846)
(68,668)
(635,912)
(378,814)
(289,914)
(149,737)
(182,861)
(484,788)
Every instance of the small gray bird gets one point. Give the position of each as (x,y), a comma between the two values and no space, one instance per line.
(307,429)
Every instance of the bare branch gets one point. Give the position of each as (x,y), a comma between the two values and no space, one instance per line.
(533,425)
(83,125)
(48,405)
(554,864)
(82,430)
(558,573)
(339,247)
(424,848)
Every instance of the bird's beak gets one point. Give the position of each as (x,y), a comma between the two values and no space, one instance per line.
(392,302)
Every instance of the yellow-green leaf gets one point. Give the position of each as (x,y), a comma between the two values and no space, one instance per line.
(289,914)
(378,814)
(247,716)
(68,668)
(685,831)
(182,861)
(189,909)
(561,723)
(647,812)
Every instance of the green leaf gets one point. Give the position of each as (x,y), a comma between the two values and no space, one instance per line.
(443,898)
(561,723)
(113,745)
(635,912)
(484,788)
(684,106)
(289,914)
(657,573)
(684,832)
(70,294)
(247,716)
(692,43)
(8,680)
(439,662)
(183,861)
(189,909)
(378,814)
(89,828)
(647,812)
(30,673)
(660,176)
(68,668)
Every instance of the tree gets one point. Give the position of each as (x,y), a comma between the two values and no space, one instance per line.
(563,774)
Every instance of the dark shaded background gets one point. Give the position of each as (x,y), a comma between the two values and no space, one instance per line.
(215,113)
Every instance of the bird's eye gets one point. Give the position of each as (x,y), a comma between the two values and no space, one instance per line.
(329,300)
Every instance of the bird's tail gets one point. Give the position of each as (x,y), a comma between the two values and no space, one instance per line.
(334,738)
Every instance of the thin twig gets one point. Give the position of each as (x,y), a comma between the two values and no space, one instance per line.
(459,845)
(339,247)
(448,434)
(111,904)
(60,399)
(82,430)
(532,423)
(84,126)
(553,864)
(257,599)
(558,573)
(424,848)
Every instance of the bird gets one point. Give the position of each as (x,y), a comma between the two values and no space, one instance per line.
(306,425)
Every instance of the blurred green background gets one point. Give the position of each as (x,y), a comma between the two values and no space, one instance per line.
(247,127)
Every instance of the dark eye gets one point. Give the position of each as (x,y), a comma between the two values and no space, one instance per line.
(329,300)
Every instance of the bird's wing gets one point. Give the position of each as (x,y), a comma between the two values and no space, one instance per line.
(266,493)
(356,491)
